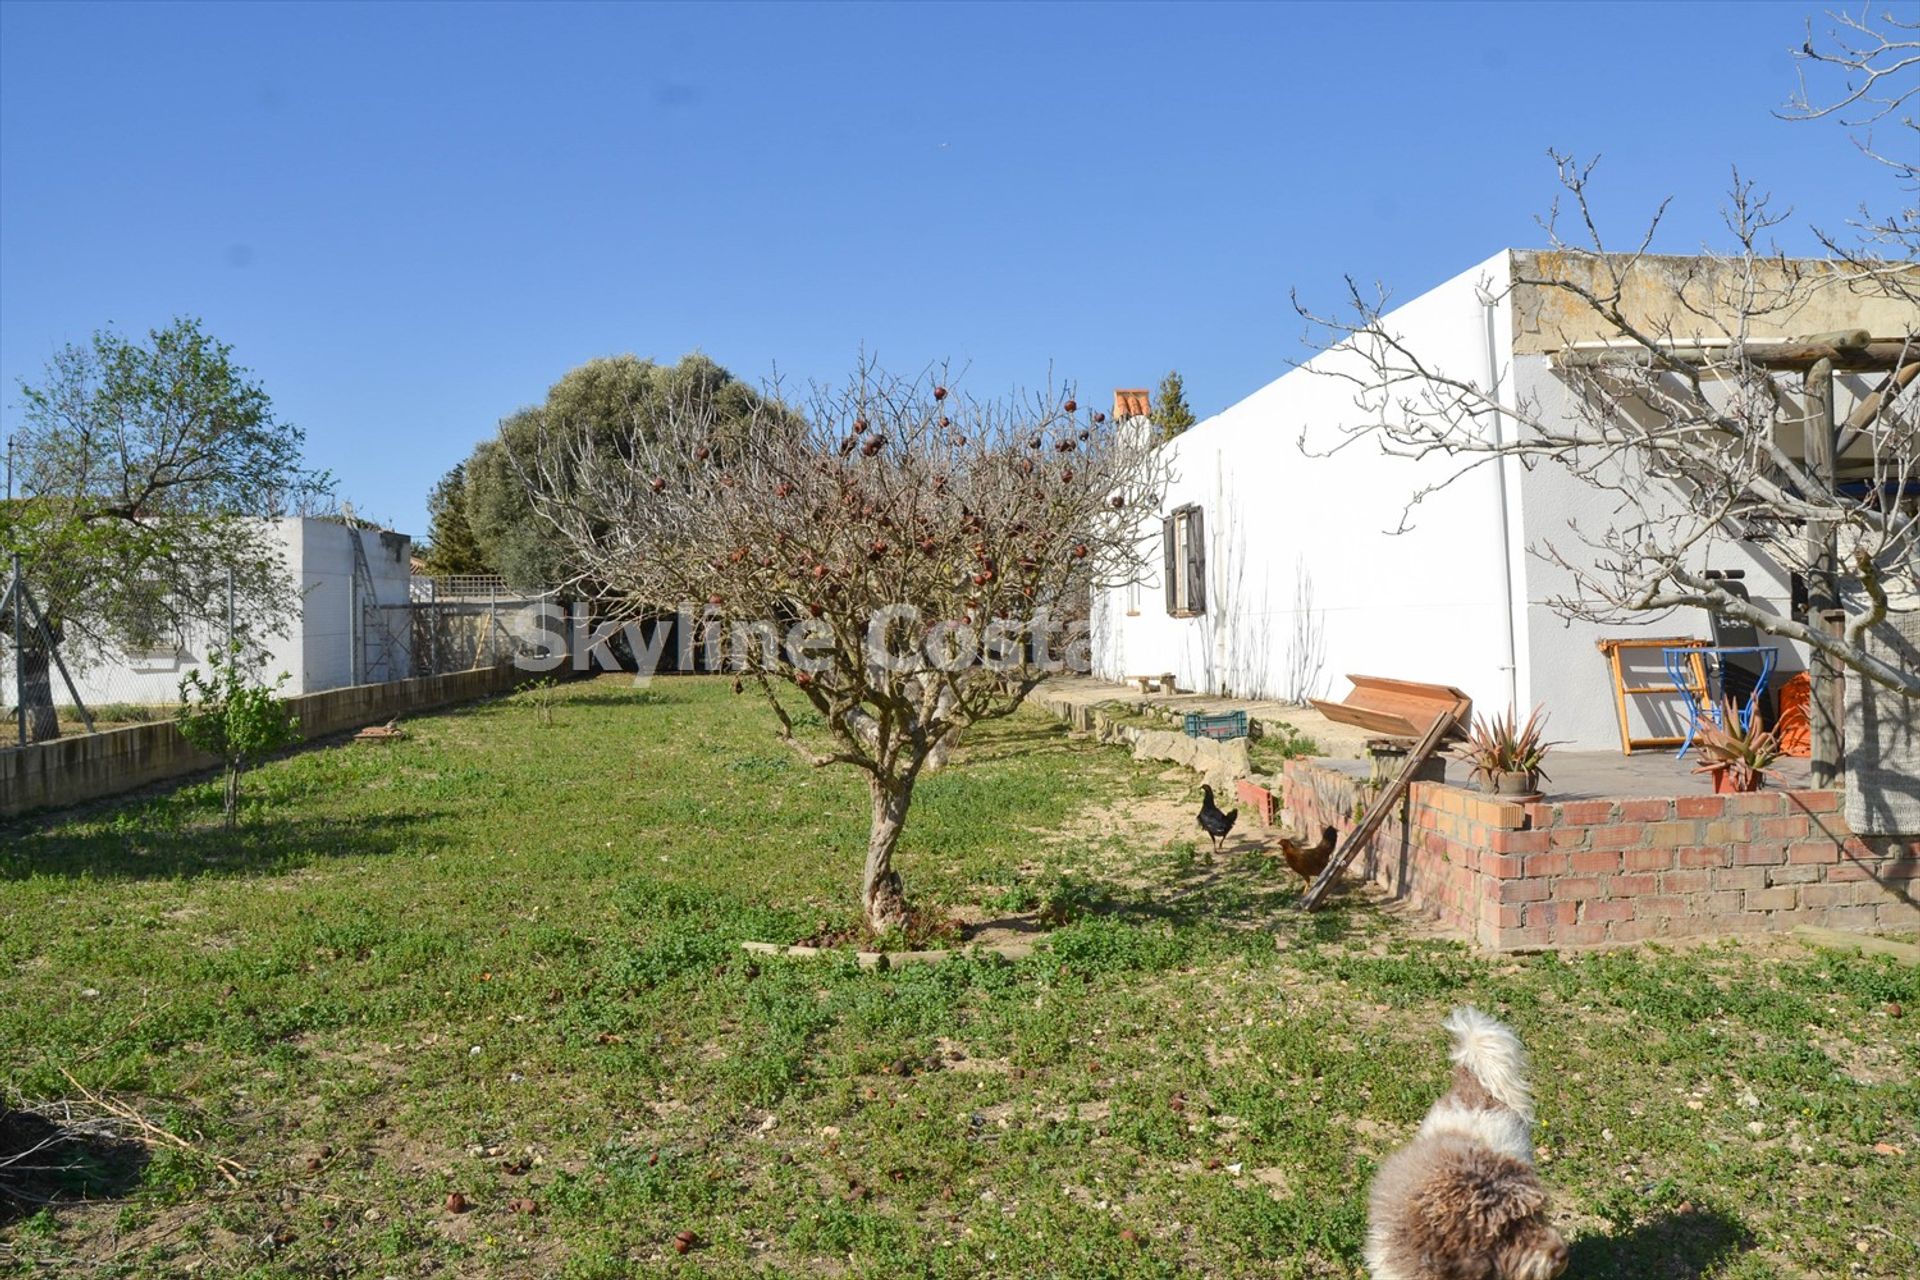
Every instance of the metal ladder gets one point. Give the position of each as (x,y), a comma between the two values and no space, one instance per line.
(367,623)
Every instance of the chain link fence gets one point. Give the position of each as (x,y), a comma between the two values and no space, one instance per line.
(53,685)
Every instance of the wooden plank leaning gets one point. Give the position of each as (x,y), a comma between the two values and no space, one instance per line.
(1442,727)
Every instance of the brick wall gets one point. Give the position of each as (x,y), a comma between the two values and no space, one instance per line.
(1586,873)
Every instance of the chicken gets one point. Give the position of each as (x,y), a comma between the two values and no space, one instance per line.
(1309,862)
(1213,821)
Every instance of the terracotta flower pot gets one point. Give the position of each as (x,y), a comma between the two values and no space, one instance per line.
(1727,782)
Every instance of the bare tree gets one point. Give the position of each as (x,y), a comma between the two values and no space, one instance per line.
(1690,418)
(1877,63)
(893,555)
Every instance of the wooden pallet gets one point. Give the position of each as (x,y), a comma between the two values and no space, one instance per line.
(1613,647)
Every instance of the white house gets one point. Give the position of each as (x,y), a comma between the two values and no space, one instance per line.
(1458,599)
(318,651)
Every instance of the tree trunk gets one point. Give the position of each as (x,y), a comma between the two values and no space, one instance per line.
(36,670)
(880,896)
(231,803)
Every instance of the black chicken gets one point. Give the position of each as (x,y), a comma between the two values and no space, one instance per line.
(1212,820)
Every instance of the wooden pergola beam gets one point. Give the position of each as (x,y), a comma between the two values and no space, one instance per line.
(1800,354)
(1868,411)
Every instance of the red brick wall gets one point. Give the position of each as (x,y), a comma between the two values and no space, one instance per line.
(1590,872)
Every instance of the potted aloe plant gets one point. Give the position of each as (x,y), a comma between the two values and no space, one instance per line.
(1736,756)
(1505,755)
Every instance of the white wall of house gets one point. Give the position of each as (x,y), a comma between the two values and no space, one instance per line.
(315,653)
(1429,604)
(1574,682)
(1461,598)
(326,578)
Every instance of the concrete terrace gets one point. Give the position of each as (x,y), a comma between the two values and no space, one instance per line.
(1573,775)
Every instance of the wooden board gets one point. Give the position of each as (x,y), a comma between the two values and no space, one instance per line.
(1443,726)
(1397,708)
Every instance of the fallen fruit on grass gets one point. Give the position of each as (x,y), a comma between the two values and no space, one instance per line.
(522,1204)
(456,1203)
(1129,1235)
(684,1242)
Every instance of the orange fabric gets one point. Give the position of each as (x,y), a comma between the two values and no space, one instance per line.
(1793,728)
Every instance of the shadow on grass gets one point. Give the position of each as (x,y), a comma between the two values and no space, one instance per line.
(599,694)
(1245,893)
(134,850)
(44,1162)
(1674,1246)
(1010,744)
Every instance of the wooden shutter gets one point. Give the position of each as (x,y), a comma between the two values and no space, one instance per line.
(1168,575)
(1196,601)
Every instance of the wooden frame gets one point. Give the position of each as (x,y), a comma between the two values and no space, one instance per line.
(1613,647)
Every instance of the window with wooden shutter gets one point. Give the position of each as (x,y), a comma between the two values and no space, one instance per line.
(1184,556)
(1170,559)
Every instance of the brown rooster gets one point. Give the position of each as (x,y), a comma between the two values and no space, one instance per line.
(1309,862)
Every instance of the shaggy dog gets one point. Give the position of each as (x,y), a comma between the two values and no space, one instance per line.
(1461,1201)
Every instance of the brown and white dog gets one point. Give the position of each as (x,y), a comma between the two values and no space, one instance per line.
(1461,1201)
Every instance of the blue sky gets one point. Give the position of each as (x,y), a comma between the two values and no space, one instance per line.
(410,219)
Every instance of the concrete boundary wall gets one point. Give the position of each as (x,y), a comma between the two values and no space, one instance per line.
(1221,762)
(69,771)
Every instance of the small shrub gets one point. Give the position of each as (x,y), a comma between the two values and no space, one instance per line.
(225,713)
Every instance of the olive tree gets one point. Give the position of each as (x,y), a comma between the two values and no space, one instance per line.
(607,397)
(895,556)
(141,465)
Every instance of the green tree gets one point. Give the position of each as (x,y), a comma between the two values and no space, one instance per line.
(451,545)
(142,465)
(1171,415)
(226,714)
(612,401)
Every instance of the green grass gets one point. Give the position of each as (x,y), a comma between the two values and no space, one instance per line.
(500,958)
(1277,743)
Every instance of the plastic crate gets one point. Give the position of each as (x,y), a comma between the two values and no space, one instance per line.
(1231,724)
